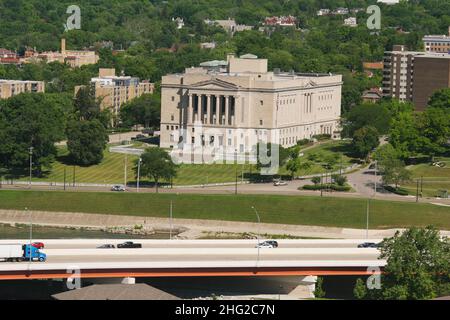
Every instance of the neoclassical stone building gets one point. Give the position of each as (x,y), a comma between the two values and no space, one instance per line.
(235,103)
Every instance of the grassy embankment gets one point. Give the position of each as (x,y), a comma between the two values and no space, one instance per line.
(327,211)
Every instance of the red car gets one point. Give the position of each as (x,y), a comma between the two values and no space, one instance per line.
(39,245)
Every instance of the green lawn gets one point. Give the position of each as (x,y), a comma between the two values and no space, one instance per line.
(336,212)
(434,178)
(111,169)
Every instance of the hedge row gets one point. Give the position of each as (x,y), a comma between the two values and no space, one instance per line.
(335,187)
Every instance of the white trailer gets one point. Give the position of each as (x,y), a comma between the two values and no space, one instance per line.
(11,252)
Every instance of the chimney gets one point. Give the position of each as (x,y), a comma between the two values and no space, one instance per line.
(63,46)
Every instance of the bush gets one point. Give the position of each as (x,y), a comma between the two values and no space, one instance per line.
(322,137)
(316,180)
(340,180)
(399,191)
(303,142)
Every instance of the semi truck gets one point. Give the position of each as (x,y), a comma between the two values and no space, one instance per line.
(19,252)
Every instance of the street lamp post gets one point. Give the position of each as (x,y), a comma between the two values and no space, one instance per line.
(139,173)
(259,231)
(367,218)
(31,234)
(31,165)
(170,218)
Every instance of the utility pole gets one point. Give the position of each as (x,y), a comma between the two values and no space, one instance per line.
(31,164)
(367,218)
(417,191)
(73,177)
(139,173)
(171,217)
(321,185)
(421,186)
(31,237)
(376,169)
(65,172)
(125,171)
(236,173)
(257,235)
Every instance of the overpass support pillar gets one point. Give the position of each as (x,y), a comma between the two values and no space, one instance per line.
(305,289)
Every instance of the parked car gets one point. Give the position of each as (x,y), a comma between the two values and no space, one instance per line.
(129,245)
(272,243)
(280,183)
(38,245)
(369,245)
(118,188)
(106,246)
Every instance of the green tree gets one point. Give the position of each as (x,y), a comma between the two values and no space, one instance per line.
(316,180)
(385,154)
(368,114)
(360,290)
(144,110)
(434,128)
(417,265)
(30,120)
(86,141)
(395,172)
(157,164)
(404,135)
(365,140)
(319,292)
(86,106)
(440,99)
(340,180)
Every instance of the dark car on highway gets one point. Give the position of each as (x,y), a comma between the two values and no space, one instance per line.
(369,245)
(129,245)
(106,246)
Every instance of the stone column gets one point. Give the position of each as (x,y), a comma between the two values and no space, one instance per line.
(218,107)
(208,108)
(227,110)
(190,110)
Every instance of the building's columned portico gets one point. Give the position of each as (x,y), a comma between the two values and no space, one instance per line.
(210,109)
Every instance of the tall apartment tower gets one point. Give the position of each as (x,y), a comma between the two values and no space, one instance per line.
(432,73)
(398,73)
(414,76)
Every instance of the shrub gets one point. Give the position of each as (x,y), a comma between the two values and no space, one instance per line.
(303,142)
(399,191)
(316,180)
(322,137)
(334,187)
(340,180)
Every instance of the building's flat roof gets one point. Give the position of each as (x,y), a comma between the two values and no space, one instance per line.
(18,81)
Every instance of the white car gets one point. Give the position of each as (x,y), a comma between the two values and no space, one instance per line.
(264,246)
(118,188)
(280,183)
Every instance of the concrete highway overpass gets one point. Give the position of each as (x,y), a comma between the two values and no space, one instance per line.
(196,258)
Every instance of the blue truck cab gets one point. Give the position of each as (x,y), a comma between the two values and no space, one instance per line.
(31,253)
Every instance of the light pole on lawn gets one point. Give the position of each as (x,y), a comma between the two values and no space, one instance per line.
(139,173)
(31,235)
(170,218)
(367,218)
(31,164)
(259,230)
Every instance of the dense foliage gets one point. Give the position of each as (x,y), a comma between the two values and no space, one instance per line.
(417,267)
